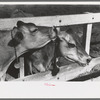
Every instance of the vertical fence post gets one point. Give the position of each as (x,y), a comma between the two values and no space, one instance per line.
(21,70)
(88,38)
(87,30)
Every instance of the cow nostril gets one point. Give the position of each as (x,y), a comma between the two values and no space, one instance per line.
(88,60)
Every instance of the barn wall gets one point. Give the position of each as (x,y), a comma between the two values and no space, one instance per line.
(46,10)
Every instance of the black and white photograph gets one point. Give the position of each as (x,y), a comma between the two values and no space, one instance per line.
(49,43)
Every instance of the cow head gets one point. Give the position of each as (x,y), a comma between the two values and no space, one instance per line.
(30,36)
(71,47)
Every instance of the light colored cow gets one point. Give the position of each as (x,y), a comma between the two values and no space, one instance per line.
(23,37)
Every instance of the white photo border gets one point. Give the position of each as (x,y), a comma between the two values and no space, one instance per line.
(40,89)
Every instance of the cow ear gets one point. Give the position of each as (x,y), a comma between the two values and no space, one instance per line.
(16,38)
(20,23)
(13,43)
(63,35)
(56,30)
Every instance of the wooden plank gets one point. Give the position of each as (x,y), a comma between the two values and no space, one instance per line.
(3,77)
(61,20)
(66,73)
(93,79)
(88,38)
(46,76)
(21,67)
(84,33)
(9,77)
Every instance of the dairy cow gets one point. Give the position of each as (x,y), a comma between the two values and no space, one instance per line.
(66,45)
(20,39)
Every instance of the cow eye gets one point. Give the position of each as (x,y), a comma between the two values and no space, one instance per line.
(71,45)
(35,30)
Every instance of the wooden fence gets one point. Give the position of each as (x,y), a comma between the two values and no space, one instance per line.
(60,20)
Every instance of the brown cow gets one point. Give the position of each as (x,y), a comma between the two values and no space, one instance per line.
(23,37)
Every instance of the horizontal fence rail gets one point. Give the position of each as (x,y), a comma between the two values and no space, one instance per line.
(59,20)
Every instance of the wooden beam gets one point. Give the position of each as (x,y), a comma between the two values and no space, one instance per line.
(21,69)
(46,76)
(88,38)
(93,79)
(66,72)
(50,21)
(3,77)
(9,77)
